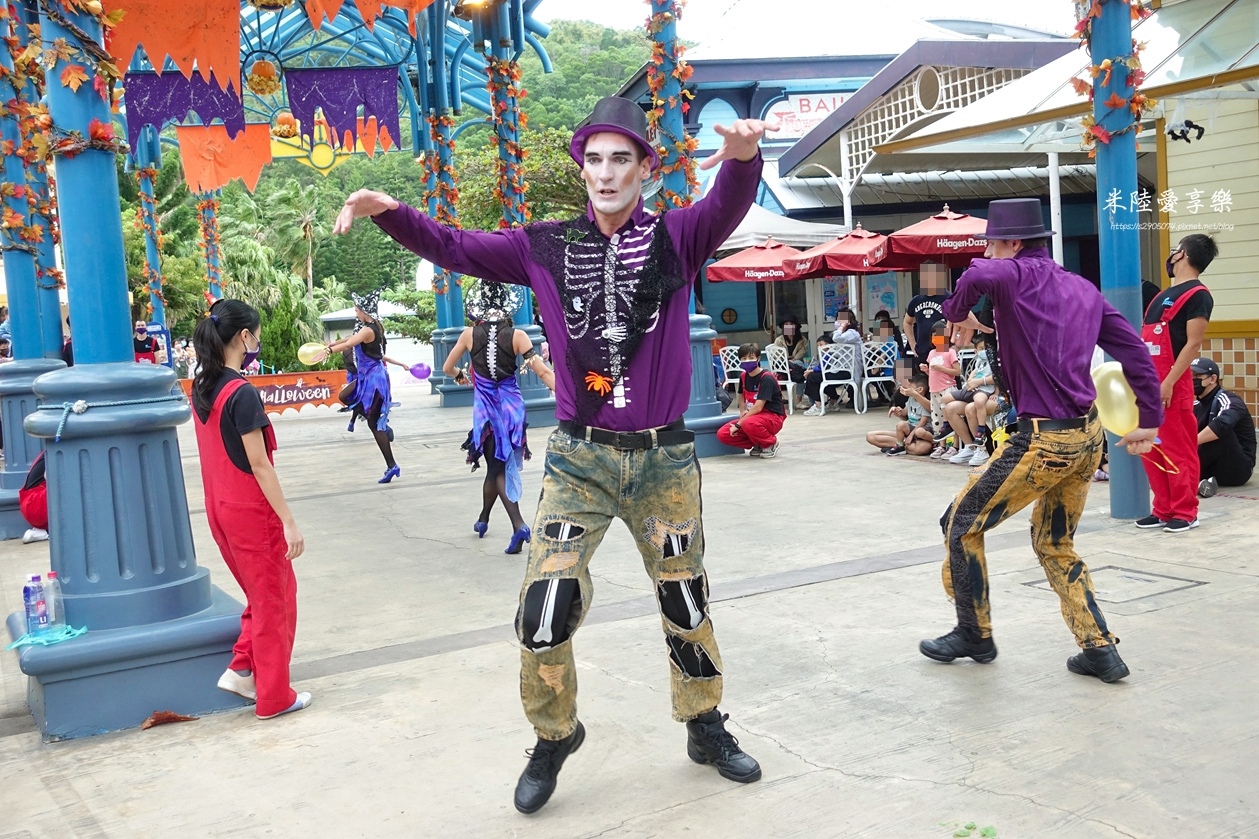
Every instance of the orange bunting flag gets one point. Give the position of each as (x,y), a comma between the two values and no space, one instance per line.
(212,158)
(318,10)
(205,33)
(371,10)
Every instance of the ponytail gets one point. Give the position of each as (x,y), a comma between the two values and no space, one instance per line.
(210,338)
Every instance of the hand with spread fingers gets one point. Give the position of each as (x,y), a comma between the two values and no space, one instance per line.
(362,204)
(740,141)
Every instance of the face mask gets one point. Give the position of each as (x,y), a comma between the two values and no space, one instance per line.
(749,366)
(142,332)
(1198,387)
(251,355)
(1170,265)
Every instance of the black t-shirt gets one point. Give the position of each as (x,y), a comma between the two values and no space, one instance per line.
(1228,417)
(1198,306)
(146,344)
(927,310)
(242,414)
(766,387)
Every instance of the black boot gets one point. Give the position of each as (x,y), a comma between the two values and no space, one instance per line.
(1102,662)
(709,742)
(537,782)
(959,643)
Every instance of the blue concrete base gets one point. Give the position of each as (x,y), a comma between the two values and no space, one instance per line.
(706,442)
(455,396)
(17,401)
(442,341)
(114,679)
(12,525)
(540,413)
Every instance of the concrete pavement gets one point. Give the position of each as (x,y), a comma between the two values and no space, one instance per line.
(824,565)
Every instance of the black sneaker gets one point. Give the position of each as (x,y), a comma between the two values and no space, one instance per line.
(545,759)
(1179,526)
(1208,487)
(1102,662)
(707,741)
(895,451)
(959,644)
(1149,522)
(945,432)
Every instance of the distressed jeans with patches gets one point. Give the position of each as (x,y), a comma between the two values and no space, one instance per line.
(1052,469)
(656,492)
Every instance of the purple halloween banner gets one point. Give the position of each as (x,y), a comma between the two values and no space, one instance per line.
(339,91)
(157,100)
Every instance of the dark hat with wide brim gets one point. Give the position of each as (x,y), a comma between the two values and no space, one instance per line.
(619,115)
(1016,218)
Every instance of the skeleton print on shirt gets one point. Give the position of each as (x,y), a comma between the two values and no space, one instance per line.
(611,291)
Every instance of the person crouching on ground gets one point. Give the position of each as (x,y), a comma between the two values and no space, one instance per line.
(1226,432)
(248,516)
(761,409)
(913,433)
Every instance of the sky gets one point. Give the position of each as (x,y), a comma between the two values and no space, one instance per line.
(705,16)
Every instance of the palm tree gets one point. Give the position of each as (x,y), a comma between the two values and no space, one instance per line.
(296,229)
(331,294)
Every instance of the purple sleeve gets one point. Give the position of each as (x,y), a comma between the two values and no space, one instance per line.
(500,255)
(976,281)
(698,230)
(1118,338)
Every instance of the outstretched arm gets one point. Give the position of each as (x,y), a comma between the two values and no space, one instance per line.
(499,256)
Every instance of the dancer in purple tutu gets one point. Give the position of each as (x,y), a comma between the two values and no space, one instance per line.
(498,409)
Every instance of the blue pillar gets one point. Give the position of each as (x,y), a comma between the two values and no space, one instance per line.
(209,221)
(159,633)
(502,28)
(148,162)
(17,399)
(1119,242)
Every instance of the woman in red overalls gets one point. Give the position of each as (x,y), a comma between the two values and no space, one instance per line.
(248,516)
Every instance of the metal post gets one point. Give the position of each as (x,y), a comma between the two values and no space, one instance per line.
(1119,242)
(1055,205)
(148,161)
(121,540)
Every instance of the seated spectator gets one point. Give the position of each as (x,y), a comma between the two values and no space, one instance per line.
(793,341)
(813,381)
(912,434)
(761,408)
(1226,432)
(942,368)
(32,501)
(846,329)
(966,408)
(883,318)
(882,393)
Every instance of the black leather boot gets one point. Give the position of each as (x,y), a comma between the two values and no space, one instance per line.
(1102,662)
(959,644)
(709,742)
(537,782)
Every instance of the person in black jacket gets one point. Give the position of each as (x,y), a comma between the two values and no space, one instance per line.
(1226,431)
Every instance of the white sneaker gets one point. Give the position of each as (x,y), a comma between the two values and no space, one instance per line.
(35,534)
(937,453)
(981,457)
(813,411)
(965,455)
(242,686)
(303,700)
(771,451)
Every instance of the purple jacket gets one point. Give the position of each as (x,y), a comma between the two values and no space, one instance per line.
(1048,321)
(657,386)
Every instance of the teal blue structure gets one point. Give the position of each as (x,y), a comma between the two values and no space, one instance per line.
(148,156)
(1118,238)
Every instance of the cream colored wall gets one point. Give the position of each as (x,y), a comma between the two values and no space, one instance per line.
(1227,157)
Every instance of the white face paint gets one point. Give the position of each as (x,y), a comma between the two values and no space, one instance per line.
(614,170)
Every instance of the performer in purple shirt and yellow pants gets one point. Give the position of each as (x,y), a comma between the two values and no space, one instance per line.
(614,289)
(1048,321)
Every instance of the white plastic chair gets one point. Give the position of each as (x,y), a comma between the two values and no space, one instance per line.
(840,369)
(781,368)
(878,363)
(729,356)
(965,361)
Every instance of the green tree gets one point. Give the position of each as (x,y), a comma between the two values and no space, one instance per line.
(556,191)
(297,229)
(420,325)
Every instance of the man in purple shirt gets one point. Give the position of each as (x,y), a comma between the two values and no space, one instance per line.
(613,288)
(1047,322)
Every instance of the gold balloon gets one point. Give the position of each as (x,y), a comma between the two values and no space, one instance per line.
(1116,403)
(311,353)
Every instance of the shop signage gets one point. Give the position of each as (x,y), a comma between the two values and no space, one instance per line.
(801,112)
(282,391)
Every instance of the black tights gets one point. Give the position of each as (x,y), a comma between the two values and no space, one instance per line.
(495,486)
(382,437)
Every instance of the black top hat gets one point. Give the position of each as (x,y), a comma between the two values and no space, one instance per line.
(617,114)
(1016,218)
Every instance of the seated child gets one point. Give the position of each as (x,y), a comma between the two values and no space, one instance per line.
(966,408)
(913,433)
(761,408)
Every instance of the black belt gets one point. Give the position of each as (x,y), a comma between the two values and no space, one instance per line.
(1037,425)
(668,435)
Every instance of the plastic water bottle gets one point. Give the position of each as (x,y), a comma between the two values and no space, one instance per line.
(36,608)
(53,601)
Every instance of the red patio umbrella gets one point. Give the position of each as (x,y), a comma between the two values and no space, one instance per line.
(759,263)
(949,236)
(858,252)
